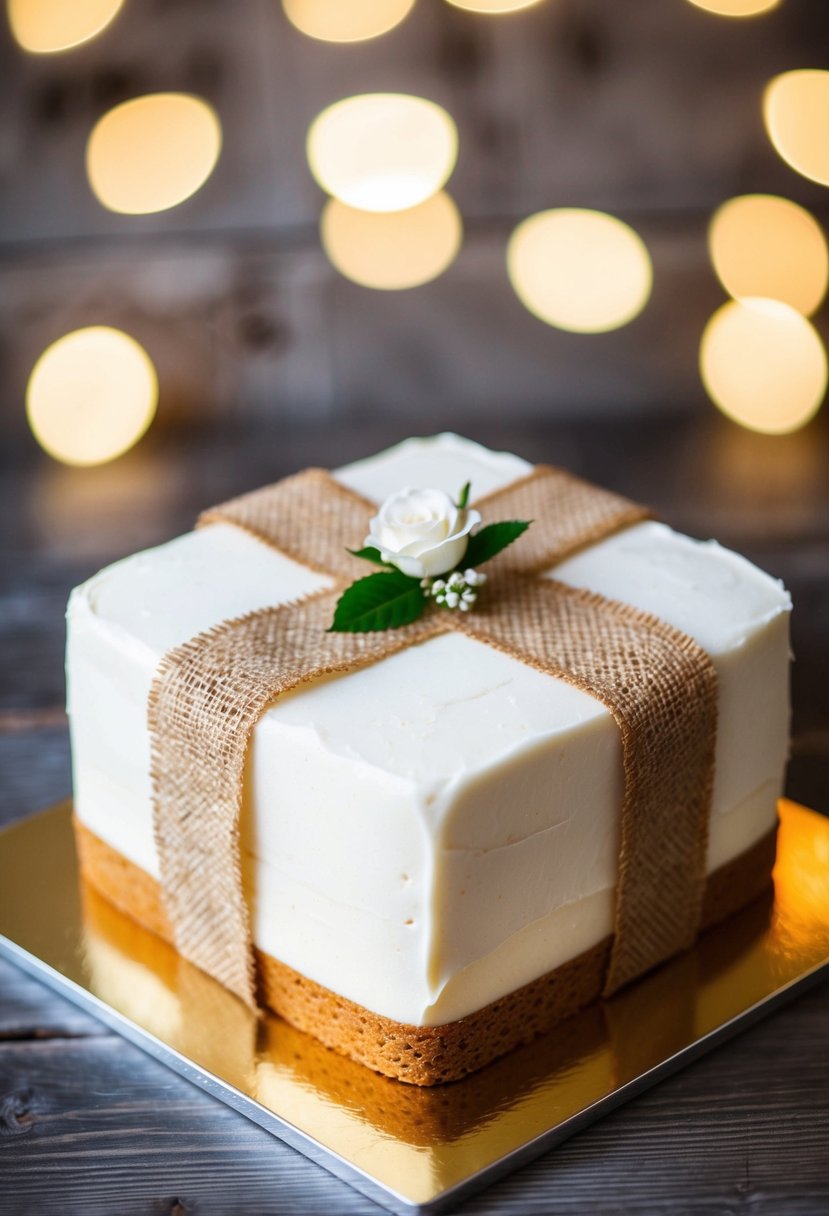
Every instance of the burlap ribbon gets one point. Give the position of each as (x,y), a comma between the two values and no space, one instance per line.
(660,686)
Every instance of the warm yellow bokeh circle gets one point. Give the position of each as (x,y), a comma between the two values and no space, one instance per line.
(46,26)
(392,250)
(493,6)
(152,152)
(583,271)
(763,365)
(382,151)
(736,8)
(762,245)
(796,113)
(91,395)
(346,20)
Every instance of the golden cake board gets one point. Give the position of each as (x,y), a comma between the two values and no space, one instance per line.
(412,1149)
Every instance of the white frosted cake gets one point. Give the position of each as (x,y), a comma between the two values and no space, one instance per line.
(429,834)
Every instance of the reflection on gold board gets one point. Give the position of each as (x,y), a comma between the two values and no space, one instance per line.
(421,1142)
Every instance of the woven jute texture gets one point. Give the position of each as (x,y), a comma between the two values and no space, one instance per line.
(569,514)
(309,517)
(209,693)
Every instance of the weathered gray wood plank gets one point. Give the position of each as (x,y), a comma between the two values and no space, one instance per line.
(36,771)
(97,1127)
(29,1011)
(93,1126)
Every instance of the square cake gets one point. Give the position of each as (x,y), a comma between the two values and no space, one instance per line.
(429,843)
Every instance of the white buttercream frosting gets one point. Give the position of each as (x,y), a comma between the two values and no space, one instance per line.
(426,834)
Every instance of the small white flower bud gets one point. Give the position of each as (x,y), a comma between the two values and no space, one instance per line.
(469,596)
(452,599)
(438,585)
(465,605)
(425,583)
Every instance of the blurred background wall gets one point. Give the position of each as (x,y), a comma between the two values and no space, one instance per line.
(650,110)
(264,355)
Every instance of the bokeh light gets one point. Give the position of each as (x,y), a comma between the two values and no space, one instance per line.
(346,20)
(46,26)
(91,395)
(493,6)
(764,365)
(396,249)
(766,246)
(153,152)
(796,113)
(801,882)
(736,8)
(382,151)
(583,271)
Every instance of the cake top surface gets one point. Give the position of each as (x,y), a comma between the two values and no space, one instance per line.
(436,462)
(451,706)
(714,595)
(166,595)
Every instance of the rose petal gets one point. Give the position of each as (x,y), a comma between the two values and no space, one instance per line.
(422,532)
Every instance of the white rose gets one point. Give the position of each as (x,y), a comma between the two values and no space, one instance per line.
(422,532)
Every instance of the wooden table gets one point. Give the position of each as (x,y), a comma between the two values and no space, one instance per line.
(88,1124)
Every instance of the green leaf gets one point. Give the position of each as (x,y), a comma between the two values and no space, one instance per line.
(463,497)
(380,601)
(369,554)
(492,539)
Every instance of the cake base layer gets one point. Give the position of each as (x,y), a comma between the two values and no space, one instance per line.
(420,1055)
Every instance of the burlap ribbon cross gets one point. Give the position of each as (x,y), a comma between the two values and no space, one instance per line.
(660,686)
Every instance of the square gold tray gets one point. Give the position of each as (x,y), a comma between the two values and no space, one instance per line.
(410,1149)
